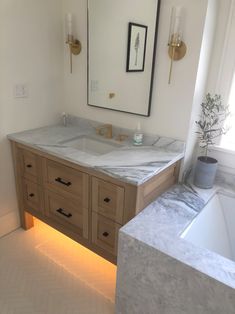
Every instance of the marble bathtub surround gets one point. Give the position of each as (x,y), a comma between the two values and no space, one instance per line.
(170,274)
(130,163)
(225,178)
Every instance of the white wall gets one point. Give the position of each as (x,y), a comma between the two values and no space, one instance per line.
(172,104)
(31,52)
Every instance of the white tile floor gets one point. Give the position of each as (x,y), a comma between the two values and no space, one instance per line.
(44,272)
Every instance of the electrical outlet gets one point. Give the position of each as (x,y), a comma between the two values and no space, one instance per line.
(20,91)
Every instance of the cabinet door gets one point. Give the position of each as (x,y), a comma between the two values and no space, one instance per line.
(29,165)
(33,196)
(67,212)
(65,179)
(105,233)
(108,199)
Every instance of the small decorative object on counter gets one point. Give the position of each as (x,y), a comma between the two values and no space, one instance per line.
(64,119)
(211,126)
(138,136)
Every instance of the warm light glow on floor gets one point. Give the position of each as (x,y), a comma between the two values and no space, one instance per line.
(89,267)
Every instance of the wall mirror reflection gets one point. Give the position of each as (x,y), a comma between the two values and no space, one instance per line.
(122,36)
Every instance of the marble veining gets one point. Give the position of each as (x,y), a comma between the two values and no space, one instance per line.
(136,172)
(127,162)
(185,195)
(156,232)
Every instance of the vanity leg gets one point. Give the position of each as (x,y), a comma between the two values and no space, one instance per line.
(26,221)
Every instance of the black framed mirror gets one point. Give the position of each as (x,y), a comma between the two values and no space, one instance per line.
(122,41)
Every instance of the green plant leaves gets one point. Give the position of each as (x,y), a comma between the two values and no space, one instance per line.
(211,124)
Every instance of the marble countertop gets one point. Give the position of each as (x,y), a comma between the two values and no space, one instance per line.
(129,163)
(161,223)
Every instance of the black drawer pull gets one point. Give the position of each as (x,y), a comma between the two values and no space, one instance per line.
(31,195)
(29,166)
(107,200)
(105,234)
(61,181)
(61,211)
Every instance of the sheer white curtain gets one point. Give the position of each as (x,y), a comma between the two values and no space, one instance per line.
(226,79)
(228,140)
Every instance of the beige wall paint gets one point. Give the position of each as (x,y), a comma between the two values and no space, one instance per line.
(31,52)
(172,104)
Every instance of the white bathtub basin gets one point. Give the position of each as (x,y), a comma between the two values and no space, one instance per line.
(91,145)
(214,227)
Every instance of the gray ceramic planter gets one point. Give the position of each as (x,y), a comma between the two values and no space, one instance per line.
(205,172)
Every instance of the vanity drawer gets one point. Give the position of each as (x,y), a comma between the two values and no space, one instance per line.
(63,178)
(105,233)
(29,165)
(108,199)
(67,212)
(33,195)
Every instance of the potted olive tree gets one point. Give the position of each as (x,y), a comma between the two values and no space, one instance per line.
(210,127)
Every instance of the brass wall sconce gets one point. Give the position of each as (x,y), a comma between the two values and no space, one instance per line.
(177,48)
(75,46)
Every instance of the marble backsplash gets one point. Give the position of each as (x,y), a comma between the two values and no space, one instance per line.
(225,179)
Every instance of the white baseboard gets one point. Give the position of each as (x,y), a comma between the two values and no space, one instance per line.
(9,223)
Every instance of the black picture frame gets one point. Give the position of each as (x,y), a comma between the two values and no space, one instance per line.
(136,47)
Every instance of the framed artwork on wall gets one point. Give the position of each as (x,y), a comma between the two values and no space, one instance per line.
(137,38)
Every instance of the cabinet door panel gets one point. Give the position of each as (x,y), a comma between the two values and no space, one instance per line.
(33,195)
(30,165)
(105,233)
(108,199)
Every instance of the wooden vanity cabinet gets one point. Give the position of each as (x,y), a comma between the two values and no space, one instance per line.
(86,205)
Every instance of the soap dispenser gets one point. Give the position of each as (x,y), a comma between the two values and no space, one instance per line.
(138,136)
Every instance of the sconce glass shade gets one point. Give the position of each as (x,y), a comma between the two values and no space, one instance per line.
(177,48)
(73,43)
(69,26)
(176,31)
